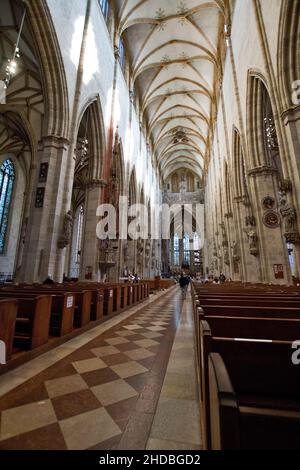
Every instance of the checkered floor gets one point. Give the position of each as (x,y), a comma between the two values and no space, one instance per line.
(99,396)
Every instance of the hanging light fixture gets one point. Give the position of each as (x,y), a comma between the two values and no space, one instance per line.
(11,66)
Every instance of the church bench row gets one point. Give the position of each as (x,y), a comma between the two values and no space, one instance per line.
(224,328)
(262,372)
(105,298)
(68,307)
(275,317)
(62,309)
(240,288)
(222,333)
(30,327)
(240,424)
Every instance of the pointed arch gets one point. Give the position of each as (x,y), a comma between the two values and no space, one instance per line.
(261,121)
(92,114)
(288,63)
(240,179)
(52,69)
(132,189)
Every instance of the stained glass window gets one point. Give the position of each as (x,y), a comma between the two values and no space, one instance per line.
(186,249)
(291,257)
(104,5)
(176,250)
(7,176)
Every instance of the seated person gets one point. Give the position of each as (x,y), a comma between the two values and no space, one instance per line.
(48,280)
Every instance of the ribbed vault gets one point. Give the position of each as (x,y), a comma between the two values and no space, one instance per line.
(175,49)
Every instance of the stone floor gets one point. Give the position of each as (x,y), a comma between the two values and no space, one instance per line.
(128,385)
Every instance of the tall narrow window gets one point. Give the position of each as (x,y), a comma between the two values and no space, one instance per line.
(7,176)
(186,250)
(121,53)
(196,242)
(79,234)
(176,250)
(291,257)
(104,5)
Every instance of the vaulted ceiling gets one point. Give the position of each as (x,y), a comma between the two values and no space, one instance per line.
(176,50)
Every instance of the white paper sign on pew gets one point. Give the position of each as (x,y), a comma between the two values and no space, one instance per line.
(69,301)
(2,352)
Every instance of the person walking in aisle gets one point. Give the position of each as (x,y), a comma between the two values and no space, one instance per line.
(184,282)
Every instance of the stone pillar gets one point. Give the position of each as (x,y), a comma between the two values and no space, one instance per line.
(90,245)
(272,246)
(42,256)
(248,264)
(291,119)
(131,256)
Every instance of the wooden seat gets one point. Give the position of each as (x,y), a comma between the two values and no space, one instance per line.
(33,322)
(236,426)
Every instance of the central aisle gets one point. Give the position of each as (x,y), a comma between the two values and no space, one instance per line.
(108,393)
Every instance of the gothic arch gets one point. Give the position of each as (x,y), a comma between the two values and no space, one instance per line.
(18,142)
(288,64)
(52,69)
(92,111)
(260,108)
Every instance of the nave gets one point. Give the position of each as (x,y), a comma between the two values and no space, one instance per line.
(129,383)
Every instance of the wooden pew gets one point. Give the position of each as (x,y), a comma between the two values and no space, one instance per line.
(108,302)
(236,426)
(33,321)
(62,309)
(224,413)
(8,315)
(251,311)
(83,301)
(253,365)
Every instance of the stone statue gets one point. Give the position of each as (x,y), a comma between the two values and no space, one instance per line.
(66,236)
(226,256)
(140,250)
(114,191)
(235,252)
(68,225)
(288,213)
(250,221)
(147,249)
(253,241)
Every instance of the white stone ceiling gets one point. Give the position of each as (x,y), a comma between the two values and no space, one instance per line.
(175,48)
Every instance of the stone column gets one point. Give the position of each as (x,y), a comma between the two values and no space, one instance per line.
(291,119)
(90,245)
(42,256)
(272,246)
(249,265)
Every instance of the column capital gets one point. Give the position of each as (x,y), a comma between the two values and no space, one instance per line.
(262,170)
(53,141)
(291,115)
(92,184)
